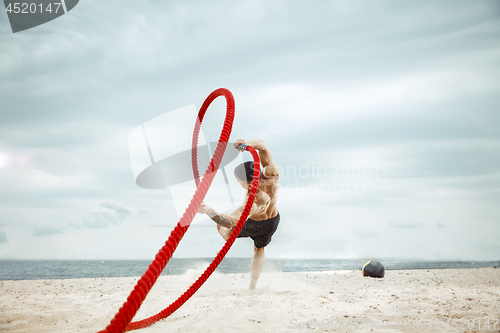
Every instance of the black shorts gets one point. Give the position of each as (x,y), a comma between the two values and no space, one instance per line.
(260,231)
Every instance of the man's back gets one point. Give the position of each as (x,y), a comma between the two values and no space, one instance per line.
(266,199)
(264,206)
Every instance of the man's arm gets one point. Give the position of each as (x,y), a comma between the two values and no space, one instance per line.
(269,168)
(227,221)
(221,219)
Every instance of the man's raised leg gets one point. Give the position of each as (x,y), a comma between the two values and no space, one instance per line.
(224,232)
(256,266)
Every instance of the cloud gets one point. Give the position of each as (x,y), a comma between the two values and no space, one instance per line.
(46,231)
(406,225)
(408,88)
(94,220)
(3,237)
(441,225)
(109,214)
(365,233)
(74,225)
(115,207)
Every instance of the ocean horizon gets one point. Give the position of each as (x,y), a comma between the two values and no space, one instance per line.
(73,269)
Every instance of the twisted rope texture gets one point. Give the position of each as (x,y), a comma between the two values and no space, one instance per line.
(122,320)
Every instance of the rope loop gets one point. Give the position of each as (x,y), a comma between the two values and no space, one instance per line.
(122,320)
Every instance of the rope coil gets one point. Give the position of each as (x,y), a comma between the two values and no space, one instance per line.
(122,320)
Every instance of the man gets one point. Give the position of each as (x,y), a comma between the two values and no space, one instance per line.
(264,218)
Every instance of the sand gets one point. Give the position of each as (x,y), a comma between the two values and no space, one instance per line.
(282,302)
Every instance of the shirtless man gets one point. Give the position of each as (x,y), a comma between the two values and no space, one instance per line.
(264,218)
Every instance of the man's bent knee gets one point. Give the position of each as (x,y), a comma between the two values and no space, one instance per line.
(224,232)
(258,249)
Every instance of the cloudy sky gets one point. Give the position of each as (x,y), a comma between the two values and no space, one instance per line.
(382,115)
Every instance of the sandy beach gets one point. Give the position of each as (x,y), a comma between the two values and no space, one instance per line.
(282,302)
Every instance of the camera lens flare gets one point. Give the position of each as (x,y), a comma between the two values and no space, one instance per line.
(4,160)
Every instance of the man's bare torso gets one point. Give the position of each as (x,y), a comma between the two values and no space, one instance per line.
(265,199)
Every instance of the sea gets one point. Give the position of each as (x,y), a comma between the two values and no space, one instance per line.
(75,269)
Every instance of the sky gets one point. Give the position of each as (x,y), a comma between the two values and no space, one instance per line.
(383,117)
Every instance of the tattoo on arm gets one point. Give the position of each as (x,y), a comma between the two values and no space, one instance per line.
(220,220)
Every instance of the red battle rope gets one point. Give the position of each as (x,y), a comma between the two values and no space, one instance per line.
(122,320)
